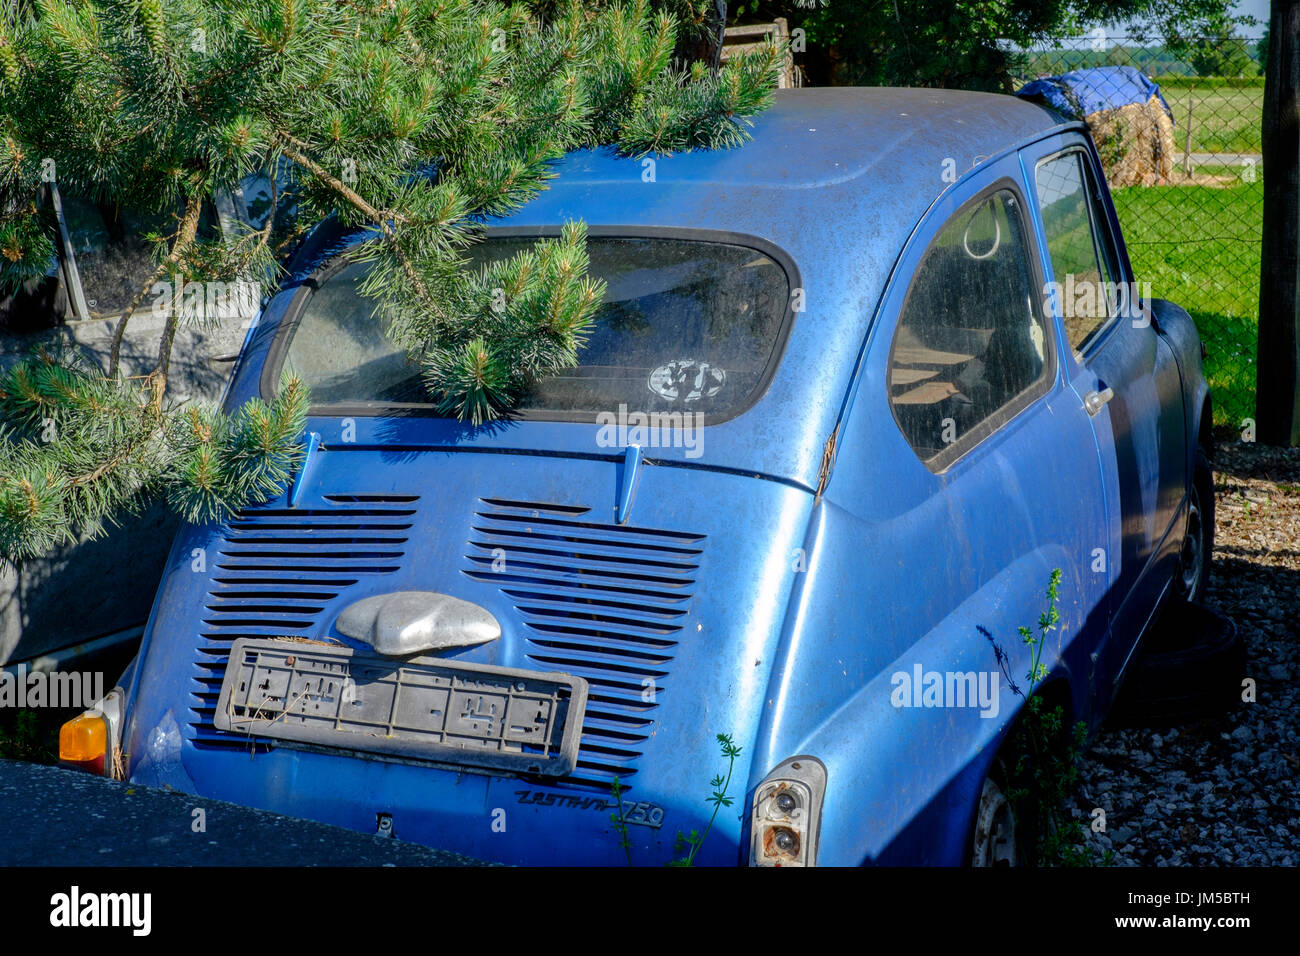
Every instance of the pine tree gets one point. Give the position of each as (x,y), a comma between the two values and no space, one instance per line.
(413,119)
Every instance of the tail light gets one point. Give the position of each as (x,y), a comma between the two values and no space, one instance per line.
(83,742)
(92,741)
(785,822)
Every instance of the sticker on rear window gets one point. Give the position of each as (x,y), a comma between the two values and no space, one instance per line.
(689,378)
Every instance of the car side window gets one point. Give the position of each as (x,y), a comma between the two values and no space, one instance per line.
(970,343)
(1083,260)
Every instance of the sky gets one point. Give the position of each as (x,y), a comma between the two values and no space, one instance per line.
(1255,8)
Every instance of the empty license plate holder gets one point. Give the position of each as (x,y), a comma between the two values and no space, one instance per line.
(421,708)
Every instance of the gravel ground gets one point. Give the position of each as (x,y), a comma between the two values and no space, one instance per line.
(1222,791)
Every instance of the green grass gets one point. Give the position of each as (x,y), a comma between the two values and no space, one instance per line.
(1199,246)
(29,735)
(1224,119)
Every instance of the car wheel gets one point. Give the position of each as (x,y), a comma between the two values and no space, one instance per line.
(1193,572)
(994,842)
(1191,666)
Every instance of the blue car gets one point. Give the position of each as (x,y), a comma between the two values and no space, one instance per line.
(856,389)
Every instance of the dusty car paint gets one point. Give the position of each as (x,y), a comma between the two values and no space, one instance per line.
(770,587)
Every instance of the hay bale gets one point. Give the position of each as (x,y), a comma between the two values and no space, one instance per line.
(1136,143)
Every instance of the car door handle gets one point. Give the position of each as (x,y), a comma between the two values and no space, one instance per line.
(1093,401)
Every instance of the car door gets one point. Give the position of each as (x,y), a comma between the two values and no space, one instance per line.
(986,475)
(1125,376)
(967,472)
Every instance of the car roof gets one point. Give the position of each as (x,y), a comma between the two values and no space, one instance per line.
(891,147)
(814,137)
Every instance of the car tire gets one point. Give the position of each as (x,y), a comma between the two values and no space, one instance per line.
(1015,771)
(1191,666)
(994,839)
(1192,574)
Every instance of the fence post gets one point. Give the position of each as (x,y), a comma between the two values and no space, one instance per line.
(1187,143)
(1277,398)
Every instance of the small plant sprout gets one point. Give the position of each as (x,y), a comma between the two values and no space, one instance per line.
(1047,621)
(718,798)
(620,822)
(1047,757)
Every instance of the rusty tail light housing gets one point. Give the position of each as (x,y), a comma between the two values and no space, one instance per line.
(785,820)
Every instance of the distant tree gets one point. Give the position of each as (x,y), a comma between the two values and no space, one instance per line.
(1119,55)
(1204,33)
(1221,56)
(965,43)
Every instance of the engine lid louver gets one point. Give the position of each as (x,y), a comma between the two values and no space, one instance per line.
(603,601)
(275,570)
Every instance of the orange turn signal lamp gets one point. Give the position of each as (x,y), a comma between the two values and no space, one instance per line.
(91,742)
(83,742)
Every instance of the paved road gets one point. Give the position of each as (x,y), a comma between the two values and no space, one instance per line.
(57,817)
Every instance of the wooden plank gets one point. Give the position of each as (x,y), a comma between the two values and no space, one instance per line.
(753,30)
(743,40)
(739,49)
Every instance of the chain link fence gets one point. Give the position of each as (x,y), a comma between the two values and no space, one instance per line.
(1187,186)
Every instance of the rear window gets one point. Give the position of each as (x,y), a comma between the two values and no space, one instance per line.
(686,324)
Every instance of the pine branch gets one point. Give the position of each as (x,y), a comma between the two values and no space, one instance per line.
(113,446)
(378,218)
(448,111)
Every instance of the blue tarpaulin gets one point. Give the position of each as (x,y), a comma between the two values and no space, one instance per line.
(1099,88)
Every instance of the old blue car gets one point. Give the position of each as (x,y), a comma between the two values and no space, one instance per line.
(856,389)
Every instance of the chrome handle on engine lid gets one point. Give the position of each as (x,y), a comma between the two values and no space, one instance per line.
(1093,401)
